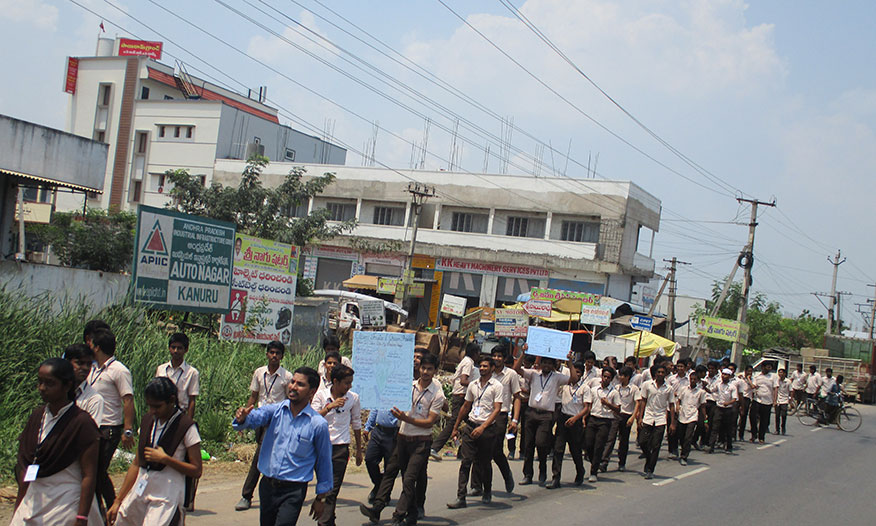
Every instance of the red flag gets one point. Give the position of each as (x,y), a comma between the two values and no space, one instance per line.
(102,28)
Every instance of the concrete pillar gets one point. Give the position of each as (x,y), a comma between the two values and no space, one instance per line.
(488,289)
(358,208)
(436,222)
(547,225)
(490,220)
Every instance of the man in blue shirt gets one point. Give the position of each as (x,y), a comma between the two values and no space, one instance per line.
(296,443)
(381,428)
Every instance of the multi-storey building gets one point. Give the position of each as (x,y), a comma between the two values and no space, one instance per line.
(485,237)
(155,118)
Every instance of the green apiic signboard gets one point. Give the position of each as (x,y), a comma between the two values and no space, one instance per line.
(182,261)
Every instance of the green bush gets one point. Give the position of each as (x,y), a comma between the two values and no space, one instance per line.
(35,331)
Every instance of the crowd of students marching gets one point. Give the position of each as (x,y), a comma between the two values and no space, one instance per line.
(305,422)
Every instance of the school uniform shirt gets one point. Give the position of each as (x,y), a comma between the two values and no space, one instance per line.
(813,383)
(745,388)
(725,393)
(783,395)
(510,381)
(765,388)
(112,382)
(597,408)
(573,398)
(657,401)
(340,419)
(710,382)
(688,400)
(563,370)
(186,378)
(423,402)
(272,388)
(482,397)
(90,401)
(628,396)
(465,366)
(593,377)
(798,380)
(826,384)
(543,388)
(636,380)
(320,369)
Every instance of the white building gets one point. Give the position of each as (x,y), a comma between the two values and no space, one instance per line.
(155,118)
(484,237)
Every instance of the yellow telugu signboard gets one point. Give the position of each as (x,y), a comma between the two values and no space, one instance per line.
(722,329)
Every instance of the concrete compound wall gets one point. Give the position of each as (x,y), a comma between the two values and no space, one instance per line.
(97,289)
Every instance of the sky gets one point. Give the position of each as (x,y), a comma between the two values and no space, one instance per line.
(701,102)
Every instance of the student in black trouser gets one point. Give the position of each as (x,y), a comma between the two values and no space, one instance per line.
(483,402)
(711,379)
(724,422)
(765,386)
(576,400)
(653,411)
(745,396)
(411,447)
(380,430)
(510,381)
(518,442)
(466,372)
(623,425)
(604,409)
(690,402)
(543,384)
(784,392)
(680,379)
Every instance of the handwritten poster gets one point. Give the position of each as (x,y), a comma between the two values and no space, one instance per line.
(549,343)
(384,366)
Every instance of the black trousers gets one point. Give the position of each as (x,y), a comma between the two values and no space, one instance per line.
(595,438)
(763,419)
(685,435)
(723,425)
(280,502)
(753,418)
(381,442)
(744,408)
(456,402)
(651,438)
(518,436)
(476,453)
(501,424)
(573,436)
(538,436)
(409,457)
(340,459)
(252,477)
(702,434)
(110,436)
(781,418)
(620,434)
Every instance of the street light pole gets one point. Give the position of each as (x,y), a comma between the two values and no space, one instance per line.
(419,194)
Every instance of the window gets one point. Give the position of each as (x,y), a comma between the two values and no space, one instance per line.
(176,133)
(517,226)
(142,142)
(144,93)
(104,96)
(100,136)
(203,180)
(33,194)
(341,211)
(384,215)
(138,188)
(189,132)
(461,222)
(161,131)
(580,231)
(290,154)
(299,210)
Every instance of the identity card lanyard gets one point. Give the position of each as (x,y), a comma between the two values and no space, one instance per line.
(31,474)
(417,403)
(102,369)
(265,379)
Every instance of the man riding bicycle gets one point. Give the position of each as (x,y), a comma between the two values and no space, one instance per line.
(832,402)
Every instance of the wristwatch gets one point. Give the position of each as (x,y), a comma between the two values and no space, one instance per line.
(128,433)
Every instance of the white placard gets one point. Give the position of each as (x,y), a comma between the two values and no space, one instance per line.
(453,305)
(549,343)
(384,369)
(372,313)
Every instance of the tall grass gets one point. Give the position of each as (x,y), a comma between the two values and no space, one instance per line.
(35,330)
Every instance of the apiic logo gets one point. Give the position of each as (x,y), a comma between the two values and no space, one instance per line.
(154,251)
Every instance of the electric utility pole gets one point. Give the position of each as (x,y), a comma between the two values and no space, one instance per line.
(673,292)
(831,310)
(872,342)
(419,194)
(748,255)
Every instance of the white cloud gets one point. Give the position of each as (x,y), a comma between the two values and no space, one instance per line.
(36,12)
(273,49)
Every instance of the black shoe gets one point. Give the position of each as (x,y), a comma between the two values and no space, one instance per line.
(487,498)
(711,450)
(421,513)
(398,522)
(642,455)
(509,485)
(459,504)
(542,481)
(372,513)
(621,468)
(555,484)
(526,481)
(476,492)
(649,475)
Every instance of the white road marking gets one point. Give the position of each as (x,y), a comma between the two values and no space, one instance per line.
(682,476)
(814,430)
(776,443)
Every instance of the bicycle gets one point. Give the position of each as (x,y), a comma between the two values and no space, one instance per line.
(847,418)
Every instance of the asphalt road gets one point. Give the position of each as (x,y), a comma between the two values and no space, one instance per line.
(813,476)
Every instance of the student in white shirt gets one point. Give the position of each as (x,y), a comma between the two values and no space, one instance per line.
(679,379)
(87,399)
(654,409)
(765,385)
(186,378)
(827,382)
(575,406)
(783,398)
(341,409)
(623,425)
(331,343)
(483,402)
(269,385)
(592,375)
(543,384)
(690,399)
(332,360)
(813,382)
(745,386)
(798,383)
(726,395)
(466,372)
(604,410)
(709,381)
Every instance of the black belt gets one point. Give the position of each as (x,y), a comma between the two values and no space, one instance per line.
(408,438)
(541,411)
(387,429)
(277,483)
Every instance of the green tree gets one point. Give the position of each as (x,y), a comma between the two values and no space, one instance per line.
(99,240)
